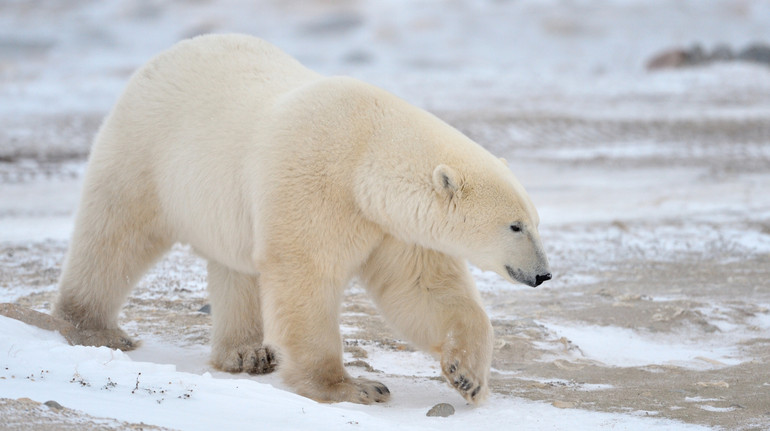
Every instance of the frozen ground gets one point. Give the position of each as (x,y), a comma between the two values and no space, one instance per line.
(652,190)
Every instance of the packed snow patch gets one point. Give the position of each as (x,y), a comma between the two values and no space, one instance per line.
(623,347)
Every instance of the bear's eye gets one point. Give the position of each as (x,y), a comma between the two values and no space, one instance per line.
(516,227)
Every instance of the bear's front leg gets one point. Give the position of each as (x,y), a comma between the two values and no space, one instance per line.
(466,355)
(301,315)
(431,299)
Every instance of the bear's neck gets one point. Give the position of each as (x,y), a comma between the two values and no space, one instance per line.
(394,187)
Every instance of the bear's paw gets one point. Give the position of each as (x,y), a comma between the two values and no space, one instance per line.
(354,390)
(250,358)
(467,382)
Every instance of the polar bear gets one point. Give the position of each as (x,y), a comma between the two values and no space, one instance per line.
(290,183)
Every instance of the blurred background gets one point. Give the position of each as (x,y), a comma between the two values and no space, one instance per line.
(63,63)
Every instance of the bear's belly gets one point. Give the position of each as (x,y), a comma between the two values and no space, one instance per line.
(206,206)
(226,239)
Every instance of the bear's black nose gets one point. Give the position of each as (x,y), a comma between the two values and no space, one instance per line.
(541,278)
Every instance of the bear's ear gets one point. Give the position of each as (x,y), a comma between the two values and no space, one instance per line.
(446,180)
(505,162)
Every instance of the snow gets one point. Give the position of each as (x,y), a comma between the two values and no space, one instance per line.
(622,347)
(40,365)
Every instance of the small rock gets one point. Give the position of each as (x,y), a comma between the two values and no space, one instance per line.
(205,309)
(53,405)
(441,409)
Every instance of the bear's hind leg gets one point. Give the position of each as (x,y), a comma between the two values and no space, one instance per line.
(431,299)
(112,246)
(237,322)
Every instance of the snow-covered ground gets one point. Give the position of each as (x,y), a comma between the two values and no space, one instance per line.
(652,191)
(108,383)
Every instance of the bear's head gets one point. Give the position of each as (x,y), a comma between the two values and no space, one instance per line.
(489,219)
(424,182)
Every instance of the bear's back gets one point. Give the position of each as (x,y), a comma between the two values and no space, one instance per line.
(216,71)
(203,95)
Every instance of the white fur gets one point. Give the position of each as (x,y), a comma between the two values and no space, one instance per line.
(291,183)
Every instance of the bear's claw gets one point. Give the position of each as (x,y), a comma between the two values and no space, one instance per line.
(354,390)
(367,393)
(464,382)
(262,362)
(252,359)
